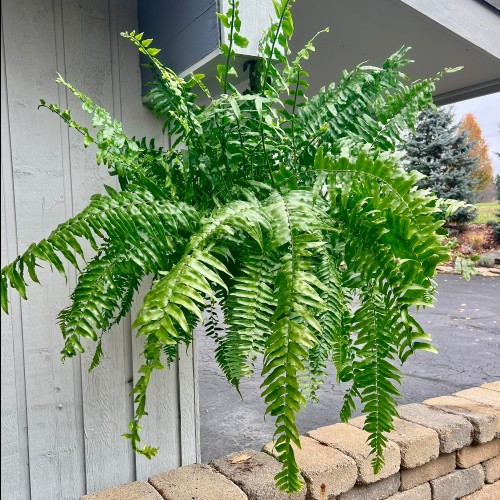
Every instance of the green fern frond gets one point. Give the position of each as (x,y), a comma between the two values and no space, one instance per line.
(214,326)
(103,295)
(134,223)
(334,340)
(170,309)
(131,160)
(176,104)
(293,326)
(374,373)
(247,313)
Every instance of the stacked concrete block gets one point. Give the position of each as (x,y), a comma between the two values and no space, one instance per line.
(488,492)
(195,482)
(373,491)
(457,484)
(422,492)
(417,444)
(492,470)
(445,449)
(484,419)
(326,471)
(441,466)
(454,431)
(353,442)
(475,454)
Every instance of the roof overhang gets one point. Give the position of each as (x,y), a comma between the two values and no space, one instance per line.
(442,33)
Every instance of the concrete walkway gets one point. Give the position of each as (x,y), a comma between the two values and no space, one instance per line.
(465,326)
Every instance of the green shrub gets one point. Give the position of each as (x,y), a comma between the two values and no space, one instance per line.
(496,227)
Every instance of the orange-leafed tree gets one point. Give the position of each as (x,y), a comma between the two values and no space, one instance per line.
(484,172)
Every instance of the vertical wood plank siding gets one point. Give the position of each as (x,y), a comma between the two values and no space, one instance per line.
(61,425)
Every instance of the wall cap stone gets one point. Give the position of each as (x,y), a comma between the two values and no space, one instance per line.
(454,432)
(327,471)
(353,442)
(417,444)
(485,419)
(253,472)
(139,490)
(195,482)
(481,395)
(493,386)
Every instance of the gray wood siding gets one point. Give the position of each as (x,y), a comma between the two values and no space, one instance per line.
(61,426)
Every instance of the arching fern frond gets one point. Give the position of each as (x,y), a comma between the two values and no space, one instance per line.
(334,339)
(136,224)
(178,299)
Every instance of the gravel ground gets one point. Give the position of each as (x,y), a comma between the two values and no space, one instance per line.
(465,326)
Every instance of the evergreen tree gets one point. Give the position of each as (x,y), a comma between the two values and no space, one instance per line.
(440,152)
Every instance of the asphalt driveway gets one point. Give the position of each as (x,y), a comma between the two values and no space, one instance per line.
(465,326)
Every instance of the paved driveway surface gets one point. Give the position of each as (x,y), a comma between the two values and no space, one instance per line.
(465,326)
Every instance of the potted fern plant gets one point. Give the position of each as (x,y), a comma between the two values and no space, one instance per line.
(280,208)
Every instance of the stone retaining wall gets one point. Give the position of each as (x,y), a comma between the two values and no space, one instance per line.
(444,449)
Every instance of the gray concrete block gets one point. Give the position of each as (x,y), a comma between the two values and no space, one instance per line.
(443,465)
(475,454)
(487,492)
(454,432)
(373,491)
(492,470)
(195,482)
(353,442)
(485,419)
(458,483)
(139,490)
(417,444)
(254,471)
(327,471)
(481,395)
(422,492)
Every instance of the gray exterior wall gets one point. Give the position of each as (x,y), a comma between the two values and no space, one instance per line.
(61,426)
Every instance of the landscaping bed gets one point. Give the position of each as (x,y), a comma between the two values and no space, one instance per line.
(475,239)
